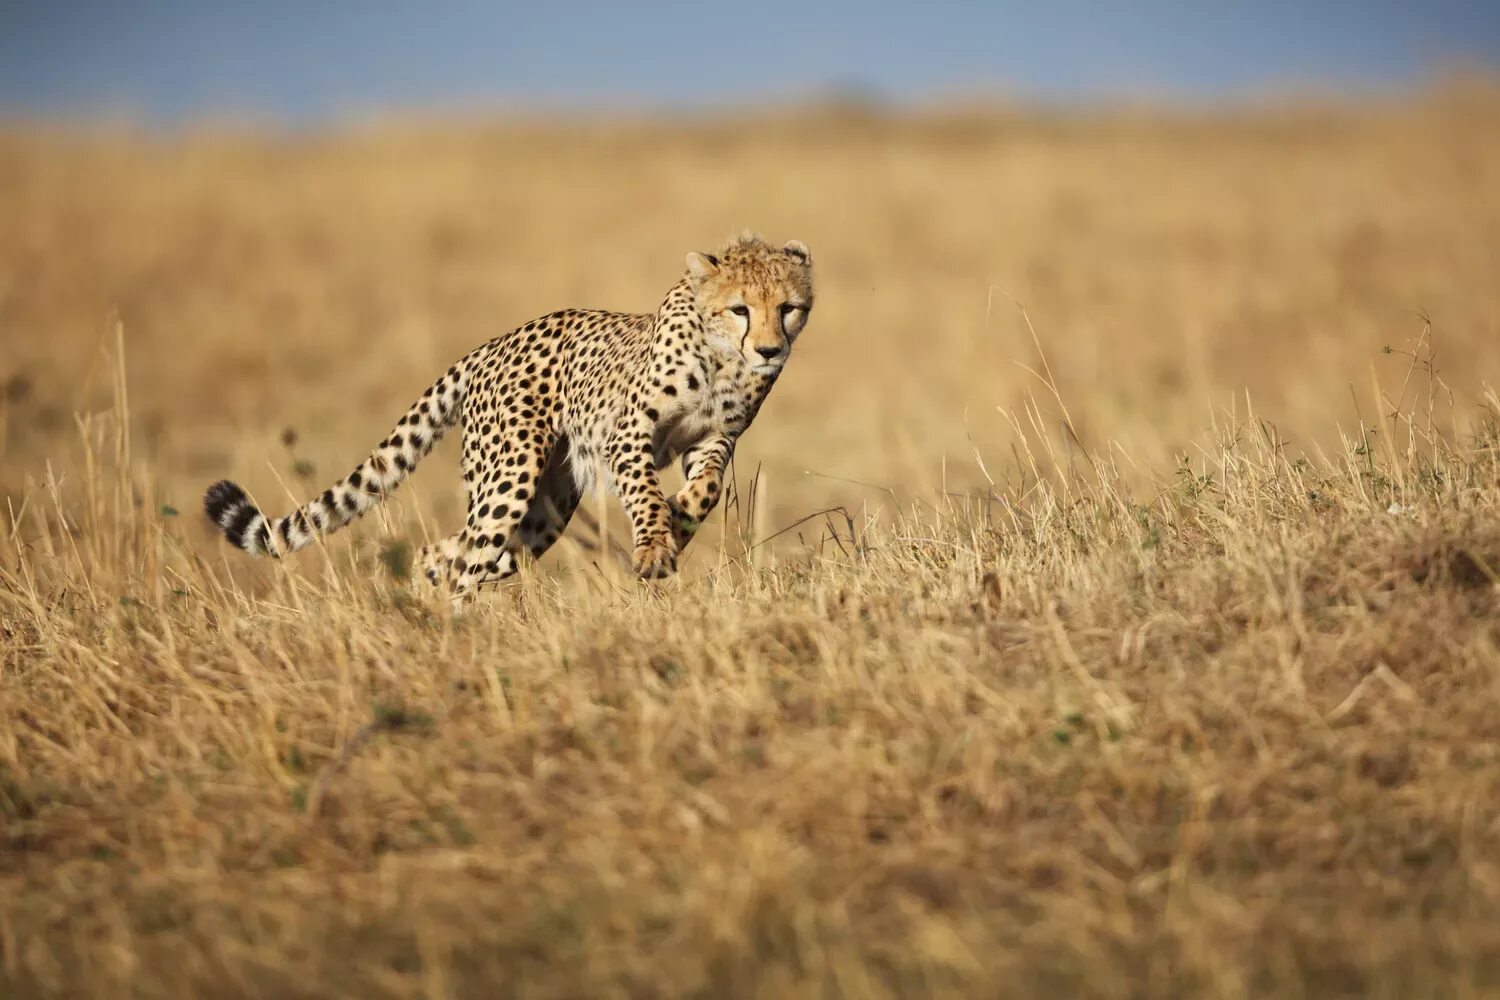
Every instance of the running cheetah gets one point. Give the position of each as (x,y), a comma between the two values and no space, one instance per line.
(548,404)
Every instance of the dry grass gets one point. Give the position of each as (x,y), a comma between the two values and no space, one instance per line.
(1099,684)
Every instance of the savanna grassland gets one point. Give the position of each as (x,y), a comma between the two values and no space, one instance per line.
(1106,603)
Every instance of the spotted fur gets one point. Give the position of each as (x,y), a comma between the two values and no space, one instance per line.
(548,406)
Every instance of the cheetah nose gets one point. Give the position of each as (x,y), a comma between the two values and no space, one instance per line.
(768,352)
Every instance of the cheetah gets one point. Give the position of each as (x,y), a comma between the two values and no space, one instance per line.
(550,405)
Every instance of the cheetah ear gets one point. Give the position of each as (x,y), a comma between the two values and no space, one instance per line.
(798,249)
(701,265)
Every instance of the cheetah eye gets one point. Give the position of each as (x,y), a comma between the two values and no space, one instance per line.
(787,308)
(743,312)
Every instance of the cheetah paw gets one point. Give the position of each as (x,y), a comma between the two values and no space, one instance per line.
(655,559)
(684,525)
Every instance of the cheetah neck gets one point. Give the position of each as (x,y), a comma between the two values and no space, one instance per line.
(679,326)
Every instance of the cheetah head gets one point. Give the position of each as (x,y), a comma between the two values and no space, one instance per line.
(754,298)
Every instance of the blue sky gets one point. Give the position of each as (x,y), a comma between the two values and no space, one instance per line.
(170,61)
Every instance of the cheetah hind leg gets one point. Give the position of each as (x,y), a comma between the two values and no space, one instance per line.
(503,480)
(556,499)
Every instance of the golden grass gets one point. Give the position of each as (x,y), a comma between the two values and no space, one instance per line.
(1153,651)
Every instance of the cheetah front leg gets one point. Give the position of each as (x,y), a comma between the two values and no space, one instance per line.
(703,464)
(634,471)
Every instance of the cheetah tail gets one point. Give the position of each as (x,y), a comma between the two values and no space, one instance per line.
(228,506)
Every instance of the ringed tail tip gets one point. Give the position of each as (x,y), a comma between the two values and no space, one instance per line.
(229,507)
(220,498)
